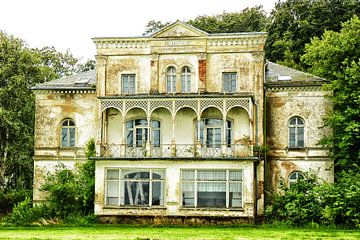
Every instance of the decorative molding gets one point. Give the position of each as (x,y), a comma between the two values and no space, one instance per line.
(114,43)
(174,105)
(64,91)
(239,41)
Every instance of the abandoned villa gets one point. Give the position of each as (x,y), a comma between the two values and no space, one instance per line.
(179,118)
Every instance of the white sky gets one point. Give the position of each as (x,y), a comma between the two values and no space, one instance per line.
(70,24)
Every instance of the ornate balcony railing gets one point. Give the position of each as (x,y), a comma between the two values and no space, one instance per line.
(176,151)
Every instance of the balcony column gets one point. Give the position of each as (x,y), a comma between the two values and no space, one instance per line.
(198,139)
(224,143)
(123,141)
(173,142)
(99,141)
(148,141)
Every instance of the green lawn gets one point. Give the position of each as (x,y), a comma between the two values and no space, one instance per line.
(100,232)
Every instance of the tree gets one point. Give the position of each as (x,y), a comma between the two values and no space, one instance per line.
(88,65)
(153,26)
(293,23)
(336,56)
(20,68)
(247,20)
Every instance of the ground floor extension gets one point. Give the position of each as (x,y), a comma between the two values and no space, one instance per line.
(175,187)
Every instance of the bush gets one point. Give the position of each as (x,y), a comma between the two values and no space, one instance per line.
(10,198)
(341,200)
(72,193)
(24,213)
(310,202)
(71,196)
(299,204)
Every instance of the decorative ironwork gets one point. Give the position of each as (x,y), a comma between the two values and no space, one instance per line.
(176,151)
(175,104)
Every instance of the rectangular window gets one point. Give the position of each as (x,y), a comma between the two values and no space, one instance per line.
(135,187)
(128,83)
(211,188)
(229,82)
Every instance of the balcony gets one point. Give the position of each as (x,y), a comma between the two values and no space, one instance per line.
(177,151)
(176,126)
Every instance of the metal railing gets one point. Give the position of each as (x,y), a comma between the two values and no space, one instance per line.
(176,150)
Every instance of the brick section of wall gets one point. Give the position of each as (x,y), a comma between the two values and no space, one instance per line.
(202,71)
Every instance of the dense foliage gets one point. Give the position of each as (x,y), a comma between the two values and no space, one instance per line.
(293,23)
(21,68)
(247,20)
(336,57)
(70,195)
(311,201)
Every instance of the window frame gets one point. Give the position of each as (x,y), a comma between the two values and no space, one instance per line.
(231,86)
(296,129)
(171,77)
(186,79)
(121,187)
(68,128)
(130,77)
(204,132)
(299,175)
(227,182)
(150,129)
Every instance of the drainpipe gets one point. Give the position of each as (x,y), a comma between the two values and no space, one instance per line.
(264,129)
(256,164)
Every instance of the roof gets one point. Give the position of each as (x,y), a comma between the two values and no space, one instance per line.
(276,73)
(187,31)
(81,81)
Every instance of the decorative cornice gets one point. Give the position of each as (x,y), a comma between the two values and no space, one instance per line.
(237,41)
(121,43)
(66,91)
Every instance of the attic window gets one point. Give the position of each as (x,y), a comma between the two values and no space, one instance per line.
(82,80)
(284,77)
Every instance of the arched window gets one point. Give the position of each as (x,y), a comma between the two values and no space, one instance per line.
(68,133)
(137,132)
(294,177)
(296,132)
(211,132)
(185,80)
(171,80)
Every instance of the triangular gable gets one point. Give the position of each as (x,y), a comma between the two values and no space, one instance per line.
(179,29)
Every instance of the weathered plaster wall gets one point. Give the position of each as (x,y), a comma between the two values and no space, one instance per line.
(241,63)
(118,65)
(178,61)
(312,105)
(51,109)
(42,168)
(173,187)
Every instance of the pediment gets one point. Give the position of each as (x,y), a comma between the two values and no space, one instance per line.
(179,29)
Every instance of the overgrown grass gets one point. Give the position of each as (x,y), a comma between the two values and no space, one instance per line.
(175,232)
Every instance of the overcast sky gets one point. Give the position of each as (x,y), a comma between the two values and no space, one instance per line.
(70,24)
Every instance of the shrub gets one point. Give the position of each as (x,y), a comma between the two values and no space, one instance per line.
(24,213)
(309,202)
(72,193)
(341,200)
(299,204)
(10,198)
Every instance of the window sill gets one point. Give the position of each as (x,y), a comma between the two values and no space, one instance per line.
(135,207)
(211,209)
(296,149)
(67,148)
